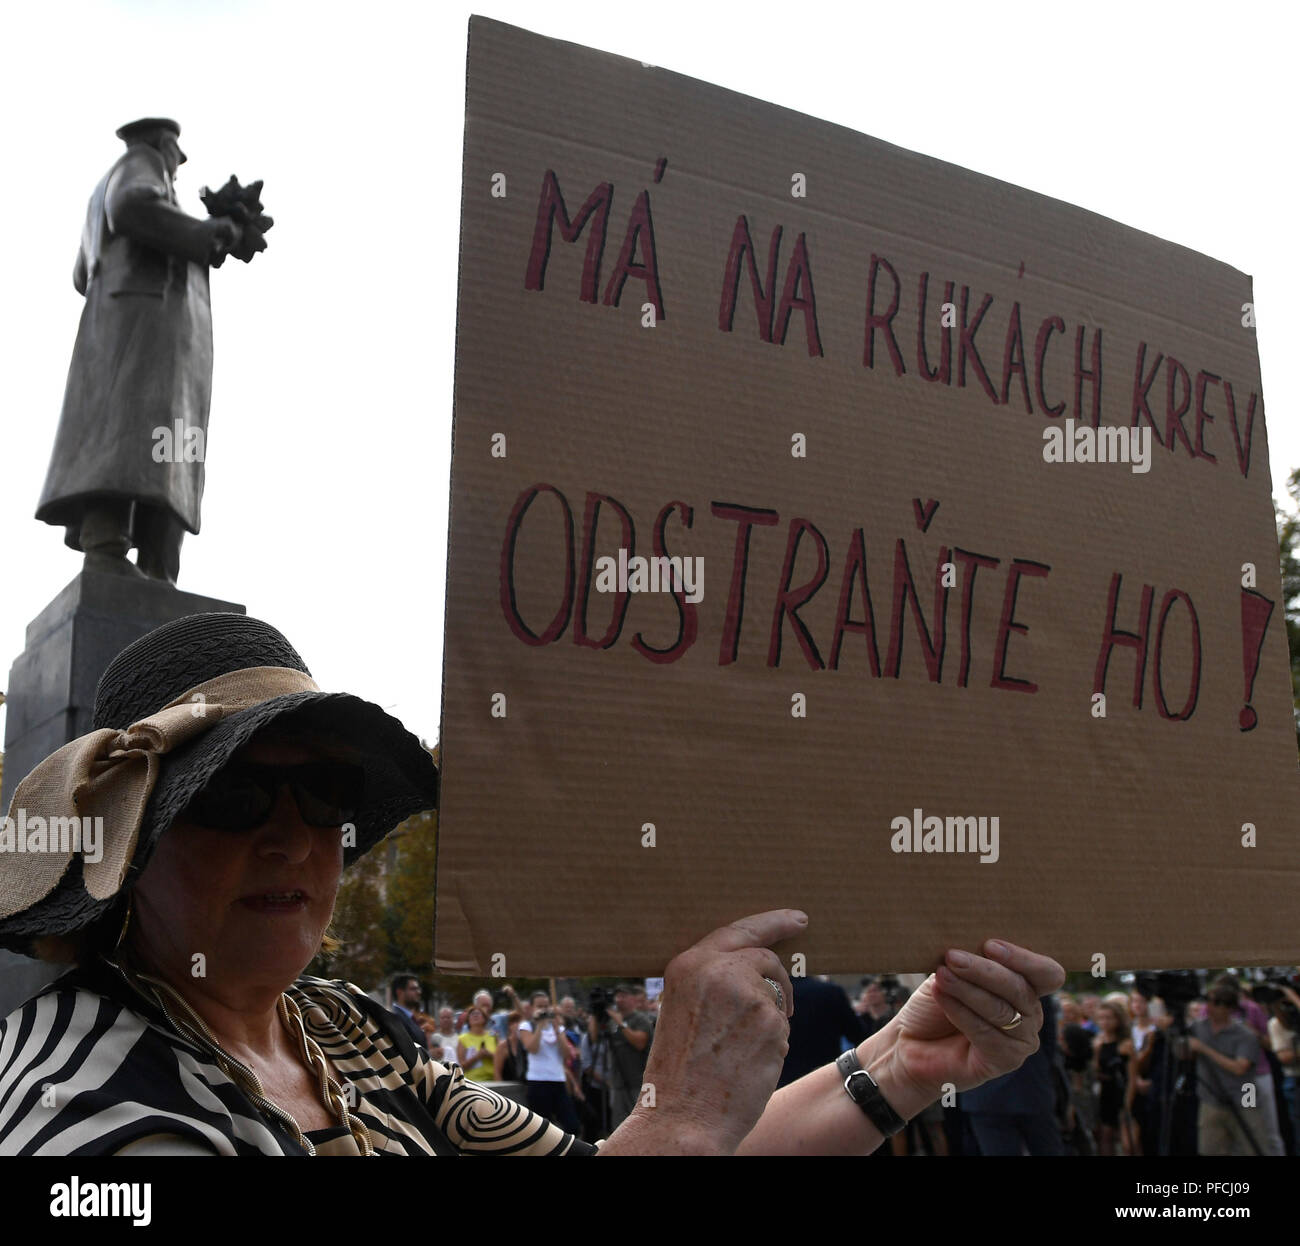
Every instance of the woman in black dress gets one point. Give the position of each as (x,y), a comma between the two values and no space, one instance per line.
(1112,1052)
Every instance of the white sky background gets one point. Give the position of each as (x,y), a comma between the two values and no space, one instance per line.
(329,443)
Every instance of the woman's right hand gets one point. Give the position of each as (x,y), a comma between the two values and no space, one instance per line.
(720,1040)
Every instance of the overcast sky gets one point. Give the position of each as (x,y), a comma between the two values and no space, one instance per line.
(329,441)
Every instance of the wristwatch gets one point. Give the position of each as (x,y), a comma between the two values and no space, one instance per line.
(861,1087)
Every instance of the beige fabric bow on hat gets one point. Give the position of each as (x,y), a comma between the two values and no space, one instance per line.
(110,774)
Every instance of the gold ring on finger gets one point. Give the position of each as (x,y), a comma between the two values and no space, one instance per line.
(1015,1021)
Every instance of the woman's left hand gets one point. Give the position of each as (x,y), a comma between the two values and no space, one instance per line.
(950,1031)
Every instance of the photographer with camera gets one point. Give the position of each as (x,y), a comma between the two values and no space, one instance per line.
(627,1034)
(1225,1052)
(1255,1018)
(549,1052)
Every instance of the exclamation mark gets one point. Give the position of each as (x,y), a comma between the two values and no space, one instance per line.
(1256,610)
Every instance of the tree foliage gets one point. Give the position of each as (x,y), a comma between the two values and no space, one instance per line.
(384,912)
(359,913)
(411,891)
(1288,535)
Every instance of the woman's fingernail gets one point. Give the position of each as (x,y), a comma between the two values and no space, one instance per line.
(801,917)
(997,949)
(959,959)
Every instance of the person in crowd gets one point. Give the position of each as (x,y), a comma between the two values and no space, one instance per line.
(430,1027)
(548,1053)
(823,1022)
(1148,1072)
(573,1031)
(233,792)
(506,1003)
(510,1058)
(1255,1019)
(1112,1054)
(1285,1042)
(445,1034)
(1142,1035)
(874,1012)
(629,1032)
(1088,1005)
(1229,1120)
(476,1048)
(482,999)
(1076,1056)
(593,1065)
(1139,1009)
(406,1003)
(569,1015)
(1016,1114)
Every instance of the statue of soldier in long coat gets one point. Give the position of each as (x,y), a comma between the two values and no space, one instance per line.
(127,467)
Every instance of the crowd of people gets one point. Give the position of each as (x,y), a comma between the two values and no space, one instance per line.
(1208,1071)
(1123,1073)
(1211,1075)
(581,1067)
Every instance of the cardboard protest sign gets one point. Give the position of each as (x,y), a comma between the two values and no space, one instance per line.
(974,623)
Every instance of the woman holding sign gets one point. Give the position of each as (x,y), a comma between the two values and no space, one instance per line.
(230,792)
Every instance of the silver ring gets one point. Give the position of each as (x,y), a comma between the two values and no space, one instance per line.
(779,993)
(1015,1021)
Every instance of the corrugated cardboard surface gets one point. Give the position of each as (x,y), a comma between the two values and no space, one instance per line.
(1119,835)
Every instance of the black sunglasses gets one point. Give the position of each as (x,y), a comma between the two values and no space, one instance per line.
(242,796)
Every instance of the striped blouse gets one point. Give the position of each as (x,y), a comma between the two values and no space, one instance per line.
(91,1067)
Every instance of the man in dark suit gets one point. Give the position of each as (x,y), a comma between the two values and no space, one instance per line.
(1016,1114)
(127,465)
(823,1018)
(406,999)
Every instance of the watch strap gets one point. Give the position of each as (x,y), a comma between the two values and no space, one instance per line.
(861,1087)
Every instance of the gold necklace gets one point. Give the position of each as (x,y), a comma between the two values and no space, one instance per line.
(186,1022)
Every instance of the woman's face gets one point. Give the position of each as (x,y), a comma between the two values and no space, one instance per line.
(1108,1020)
(1138,1006)
(476,1020)
(240,909)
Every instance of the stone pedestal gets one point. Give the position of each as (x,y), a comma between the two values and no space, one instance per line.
(51,691)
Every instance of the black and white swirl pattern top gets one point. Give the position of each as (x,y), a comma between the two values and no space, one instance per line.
(90,1067)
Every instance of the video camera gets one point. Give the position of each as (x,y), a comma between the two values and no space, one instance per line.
(599,1001)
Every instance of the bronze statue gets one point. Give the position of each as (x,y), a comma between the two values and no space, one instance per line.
(127,467)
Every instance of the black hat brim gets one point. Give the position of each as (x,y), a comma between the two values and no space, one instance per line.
(400,780)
